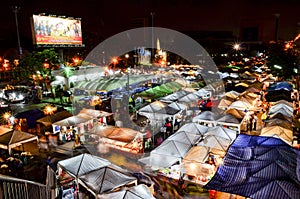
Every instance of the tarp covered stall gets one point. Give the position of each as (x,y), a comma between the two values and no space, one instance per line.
(258,167)
(136,192)
(10,138)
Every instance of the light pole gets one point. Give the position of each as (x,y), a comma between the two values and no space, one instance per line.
(15,10)
(152,35)
(128,70)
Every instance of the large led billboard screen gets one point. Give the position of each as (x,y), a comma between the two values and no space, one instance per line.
(56,30)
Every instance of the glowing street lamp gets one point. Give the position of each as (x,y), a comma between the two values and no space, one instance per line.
(49,109)
(237,47)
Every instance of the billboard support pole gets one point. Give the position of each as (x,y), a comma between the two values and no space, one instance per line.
(15,10)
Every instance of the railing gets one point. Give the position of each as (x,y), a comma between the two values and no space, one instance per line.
(14,188)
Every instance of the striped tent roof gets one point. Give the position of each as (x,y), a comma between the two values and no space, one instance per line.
(258,167)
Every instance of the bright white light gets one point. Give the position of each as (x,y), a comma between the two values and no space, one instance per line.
(236,47)
(278,67)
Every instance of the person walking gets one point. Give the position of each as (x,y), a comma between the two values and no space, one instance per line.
(250,123)
(254,122)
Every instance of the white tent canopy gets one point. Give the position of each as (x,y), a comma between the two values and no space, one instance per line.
(206,117)
(167,154)
(82,164)
(12,138)
(194,128)
(106,179)
(136,192)
(96,174)
(215,142)
(185,137)
(175,96)
(222,132)
(241,105)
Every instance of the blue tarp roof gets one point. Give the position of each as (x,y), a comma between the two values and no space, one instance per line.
(259,167)
(280,86)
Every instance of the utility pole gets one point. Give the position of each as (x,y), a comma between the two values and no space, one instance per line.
(15,10)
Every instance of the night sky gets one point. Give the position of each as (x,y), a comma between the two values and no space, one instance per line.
(106,18)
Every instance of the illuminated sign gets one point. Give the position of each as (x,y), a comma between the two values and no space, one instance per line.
(56,30)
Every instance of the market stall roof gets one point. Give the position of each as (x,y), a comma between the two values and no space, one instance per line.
(50,119)
(167,154)
(206,116)
(232,94)
(273,96)
(290,104)
(284,109)
(281,116)
(140,191)
(241,105)
(280,86)
(107,178)
(4,130)
(197,154)
(228,119)
(13,138)
(153,107)
(175,96)
(152,94)
(185,137)
(215,142)
(82,164)
(283,133)
(222,132)
(31,116)
(258,167)
(224,103)
(202,93)
(256,85)
(239,114)
(191,97)
(73,120)
(278,122)
(116,133)
(93,113)
(194,128)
